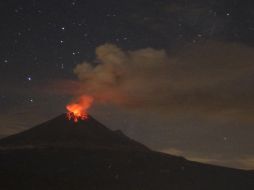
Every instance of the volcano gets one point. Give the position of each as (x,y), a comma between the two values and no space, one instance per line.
(67,155)
(62,132)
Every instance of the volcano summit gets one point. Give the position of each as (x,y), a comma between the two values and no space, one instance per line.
(67,155)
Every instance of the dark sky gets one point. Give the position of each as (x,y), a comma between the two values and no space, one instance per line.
(177,74)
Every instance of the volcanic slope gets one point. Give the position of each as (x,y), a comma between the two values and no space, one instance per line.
(61,132)
(62,154)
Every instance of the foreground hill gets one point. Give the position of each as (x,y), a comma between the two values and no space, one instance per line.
(61,154)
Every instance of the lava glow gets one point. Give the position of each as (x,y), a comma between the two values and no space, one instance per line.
(78,110)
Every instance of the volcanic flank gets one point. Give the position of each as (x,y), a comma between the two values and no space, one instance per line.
(68,155)
(63,132)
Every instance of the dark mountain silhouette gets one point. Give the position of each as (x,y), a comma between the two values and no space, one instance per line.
(60,154)
(61,132)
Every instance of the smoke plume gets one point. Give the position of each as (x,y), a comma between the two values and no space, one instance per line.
(207,78)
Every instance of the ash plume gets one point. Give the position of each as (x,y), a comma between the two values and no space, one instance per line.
(201,79)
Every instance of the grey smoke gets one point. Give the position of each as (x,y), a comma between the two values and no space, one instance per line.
(208,79)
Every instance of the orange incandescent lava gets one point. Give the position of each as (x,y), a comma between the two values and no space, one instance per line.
(78,110)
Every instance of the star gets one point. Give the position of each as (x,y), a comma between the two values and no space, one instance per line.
(200,35)
(31,100)
(29,78)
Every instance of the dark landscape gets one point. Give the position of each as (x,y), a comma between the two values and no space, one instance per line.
(62,154)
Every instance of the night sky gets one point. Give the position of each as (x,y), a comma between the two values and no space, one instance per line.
(176,75)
